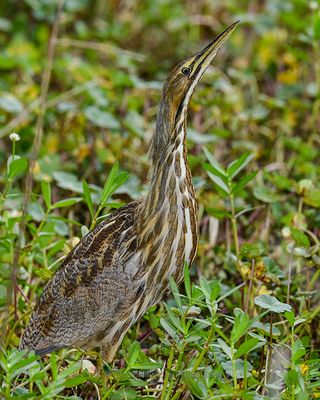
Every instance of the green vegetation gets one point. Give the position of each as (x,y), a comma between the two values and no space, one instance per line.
(81,89)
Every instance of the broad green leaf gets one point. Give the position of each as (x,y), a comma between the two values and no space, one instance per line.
(10,103)
(66,202)
(266,194)
(312,198)
(225,348)
(240,326)
(298,350)
(271,303)
(46,193)
(17,166)
(237,165)
(290,317)
(299,237)
(292,378)
(87,197)
(247,346)
(65,180)
(239,366)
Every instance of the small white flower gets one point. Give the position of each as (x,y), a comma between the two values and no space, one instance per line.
(14,137)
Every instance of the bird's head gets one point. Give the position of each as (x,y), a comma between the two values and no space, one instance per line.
(183,79)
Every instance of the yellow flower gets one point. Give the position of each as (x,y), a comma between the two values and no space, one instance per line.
(82,152)
(291,72)
(304,369)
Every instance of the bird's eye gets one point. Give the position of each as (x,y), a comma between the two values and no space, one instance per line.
(186,71)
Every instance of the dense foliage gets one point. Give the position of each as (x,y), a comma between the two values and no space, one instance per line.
(80,88)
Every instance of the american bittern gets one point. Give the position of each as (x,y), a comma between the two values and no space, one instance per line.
(122,267)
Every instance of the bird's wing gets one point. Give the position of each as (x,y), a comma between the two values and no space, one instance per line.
(90,277)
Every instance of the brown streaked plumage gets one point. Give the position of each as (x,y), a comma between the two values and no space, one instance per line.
(122,267)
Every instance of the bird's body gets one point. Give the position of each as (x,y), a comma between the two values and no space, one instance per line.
(123,266)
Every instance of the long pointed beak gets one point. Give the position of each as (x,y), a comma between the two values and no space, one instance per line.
(204,57)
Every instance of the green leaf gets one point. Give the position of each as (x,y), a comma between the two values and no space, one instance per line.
(237,165)
(66,202)
(100,118)
(312,198)
(205,288)
(299,237)
(174,320)
(113,181)
(210,168)
(187,283)
(44,273)
(240,326)
(237,187)
(133,353)
(68,181)
(76,381)
(46,193)
(225,348)
(17,166)
(87,197)
(196,387)
(214,162)
(271,303)
(292,378)
(290,317)
(169,329)
(298,350)
(240,365)
(266,194)
(175,292)
(10,103)
(217,213)
(221,187)
(247,346)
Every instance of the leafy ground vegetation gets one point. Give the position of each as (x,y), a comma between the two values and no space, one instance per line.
(80,84)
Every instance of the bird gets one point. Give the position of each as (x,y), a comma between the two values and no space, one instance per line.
(123,266)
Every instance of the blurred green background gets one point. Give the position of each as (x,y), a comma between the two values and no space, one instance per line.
(111,58)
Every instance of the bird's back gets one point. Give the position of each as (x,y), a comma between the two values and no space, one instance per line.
(88,299)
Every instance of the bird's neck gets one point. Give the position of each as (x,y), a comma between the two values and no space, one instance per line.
(170,176)
(167,219)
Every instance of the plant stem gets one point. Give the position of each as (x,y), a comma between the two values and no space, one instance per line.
(234,228)
(167,373)
(205,348)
